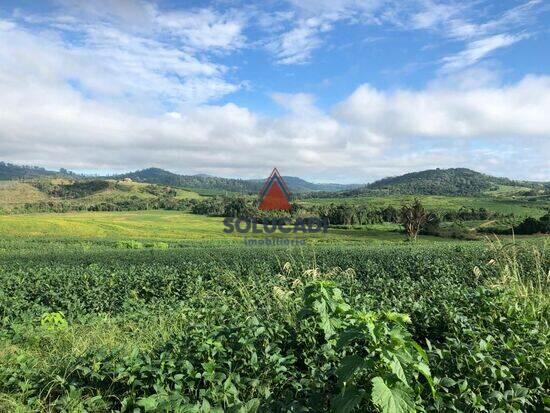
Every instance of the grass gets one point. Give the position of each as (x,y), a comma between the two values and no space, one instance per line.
(166,225)
(532,291)
(14,193)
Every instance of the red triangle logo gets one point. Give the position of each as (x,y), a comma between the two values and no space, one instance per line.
(274,194)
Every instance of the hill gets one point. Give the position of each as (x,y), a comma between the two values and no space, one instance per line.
(453,181)
(447,182)
(299,185)
(162,177)
(202,181)
(44,194)
(10,171)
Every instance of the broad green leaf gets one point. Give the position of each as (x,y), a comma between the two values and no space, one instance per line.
(148,403)
(421,351)
(350,364)
(394,399)
(348,400)
(397,369)
(250,406)
(424,369)
(348,336)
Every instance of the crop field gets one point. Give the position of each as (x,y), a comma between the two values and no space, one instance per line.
(161,311)
(213,326)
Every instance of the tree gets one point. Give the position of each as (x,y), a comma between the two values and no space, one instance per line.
(414,217)
(532,225)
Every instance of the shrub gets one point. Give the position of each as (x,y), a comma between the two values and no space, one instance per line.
(133,245)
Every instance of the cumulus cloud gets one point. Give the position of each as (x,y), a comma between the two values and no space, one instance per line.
(370,134)
(514,111)
(105,93)
(129,52)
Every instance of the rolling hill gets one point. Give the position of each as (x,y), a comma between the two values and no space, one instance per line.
(452,182)
(444,182)
(202,181)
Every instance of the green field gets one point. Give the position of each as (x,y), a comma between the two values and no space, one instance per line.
(166,225)
(161,311)
(212,327)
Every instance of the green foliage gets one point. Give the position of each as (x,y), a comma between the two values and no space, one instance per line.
(131,244)
(53,321)
(159,245)
(534,226)
(73,190)
(379,355)
(231,328)
(414,217)
(453,181)
(11,171)
(392,398)
(223,185)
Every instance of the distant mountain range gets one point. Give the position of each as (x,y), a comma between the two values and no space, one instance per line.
(453,181)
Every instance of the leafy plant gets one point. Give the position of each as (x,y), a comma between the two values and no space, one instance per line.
(380,356)
(54,321)
(133,245)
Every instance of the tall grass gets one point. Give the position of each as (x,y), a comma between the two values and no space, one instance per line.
(528,279)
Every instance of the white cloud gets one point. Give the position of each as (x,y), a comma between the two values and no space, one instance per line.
(296,45)
(515,111)
(103,92)
(109,63)
(205,29)
(465,20)
(478,49)
(299,104)
(314,19)
(452,20)
(370,134)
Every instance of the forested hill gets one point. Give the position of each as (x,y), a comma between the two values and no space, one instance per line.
(11,171)
(454,181)
(162,177)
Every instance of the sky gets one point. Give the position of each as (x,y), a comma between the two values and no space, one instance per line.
(329,90)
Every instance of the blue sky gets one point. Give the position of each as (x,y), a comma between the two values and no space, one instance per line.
(329,90)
